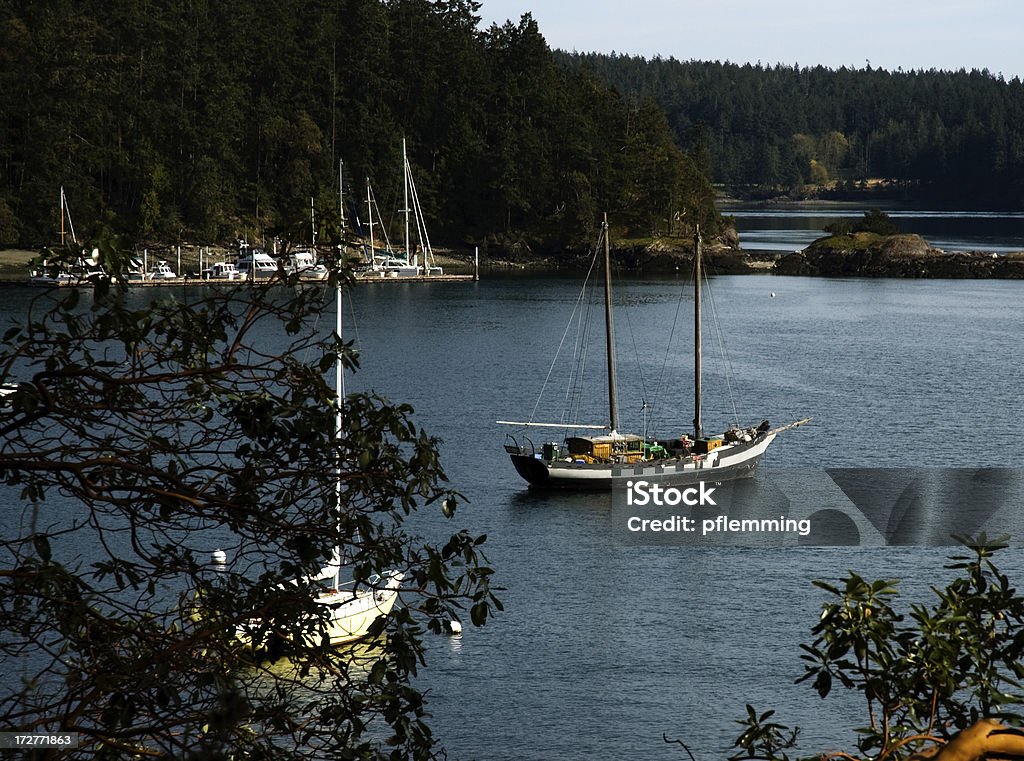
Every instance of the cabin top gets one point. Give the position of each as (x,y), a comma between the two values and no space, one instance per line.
(604,446)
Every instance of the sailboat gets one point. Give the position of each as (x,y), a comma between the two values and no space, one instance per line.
(352,608)
(407,262)
(383,259)
(607,460)
(301,260)
(83,270)
(410,195)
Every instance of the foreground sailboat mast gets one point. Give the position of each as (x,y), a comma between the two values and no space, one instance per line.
(613,411)
(698,427)
(341,195)
(339,390)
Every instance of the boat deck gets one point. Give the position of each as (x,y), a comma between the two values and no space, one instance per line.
(384,277)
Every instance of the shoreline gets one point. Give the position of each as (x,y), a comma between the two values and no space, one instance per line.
(897,257)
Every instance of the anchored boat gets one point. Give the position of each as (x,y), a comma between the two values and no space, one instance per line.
(601,461)
(351,608)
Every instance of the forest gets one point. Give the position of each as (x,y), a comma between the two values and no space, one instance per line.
(190,120)
(944,136)
(206,122)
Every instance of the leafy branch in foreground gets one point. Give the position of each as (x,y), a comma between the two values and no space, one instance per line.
(945,685)
(145,432)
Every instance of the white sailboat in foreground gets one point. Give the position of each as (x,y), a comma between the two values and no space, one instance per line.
(601,462)
(352,608)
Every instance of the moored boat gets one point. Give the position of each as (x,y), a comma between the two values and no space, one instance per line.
(603,461)
(303,262)
(161,271)
(351,607)
(83,269)
(221,271)
(255,263)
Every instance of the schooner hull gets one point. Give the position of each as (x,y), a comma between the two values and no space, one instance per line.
(726,464)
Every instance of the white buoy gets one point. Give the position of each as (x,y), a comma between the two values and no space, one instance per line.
(773,294)
(220,560)
(454,627)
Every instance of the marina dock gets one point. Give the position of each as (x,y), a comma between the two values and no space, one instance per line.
(369,277)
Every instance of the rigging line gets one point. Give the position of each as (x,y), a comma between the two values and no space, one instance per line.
(580,368)
(721,347)
(316,325)
(380,220)
(576,306)
(357,343)
(392,204)
(421,226)
(575,391)
(660,385)
(577,373)
(330,292)
(577,352)
(639,365)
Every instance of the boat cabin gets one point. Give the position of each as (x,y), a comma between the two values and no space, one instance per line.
(162,271)
(255,264)
(302,262)
(619,448)
(222,271)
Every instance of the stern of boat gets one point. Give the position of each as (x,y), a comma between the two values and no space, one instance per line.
(527,461)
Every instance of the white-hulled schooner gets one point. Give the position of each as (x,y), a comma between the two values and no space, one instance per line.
(600,462)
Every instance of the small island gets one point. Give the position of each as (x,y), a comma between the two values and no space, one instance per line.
(874,247)
(869,247)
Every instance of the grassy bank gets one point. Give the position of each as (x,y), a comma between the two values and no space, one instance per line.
(14,262)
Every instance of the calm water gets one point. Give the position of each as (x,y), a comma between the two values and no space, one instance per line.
(793,228)
(603,648)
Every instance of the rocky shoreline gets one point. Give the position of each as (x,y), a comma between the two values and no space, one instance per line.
(898,256)
(853,255)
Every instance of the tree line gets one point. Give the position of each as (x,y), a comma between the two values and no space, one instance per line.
(207,121)
(945,135)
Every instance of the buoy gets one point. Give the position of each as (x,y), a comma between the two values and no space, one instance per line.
(773,294)
(220,560)
(453,627)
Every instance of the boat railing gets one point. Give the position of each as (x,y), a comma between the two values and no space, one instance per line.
(516,448)
(374,581)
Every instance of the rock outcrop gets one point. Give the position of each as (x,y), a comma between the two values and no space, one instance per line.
(899,256)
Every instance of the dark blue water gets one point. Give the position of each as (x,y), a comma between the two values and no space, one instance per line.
(603,647)
(792,228)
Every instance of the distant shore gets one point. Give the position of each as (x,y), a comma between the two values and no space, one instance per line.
(15,261)
(894,256)
(857,255)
